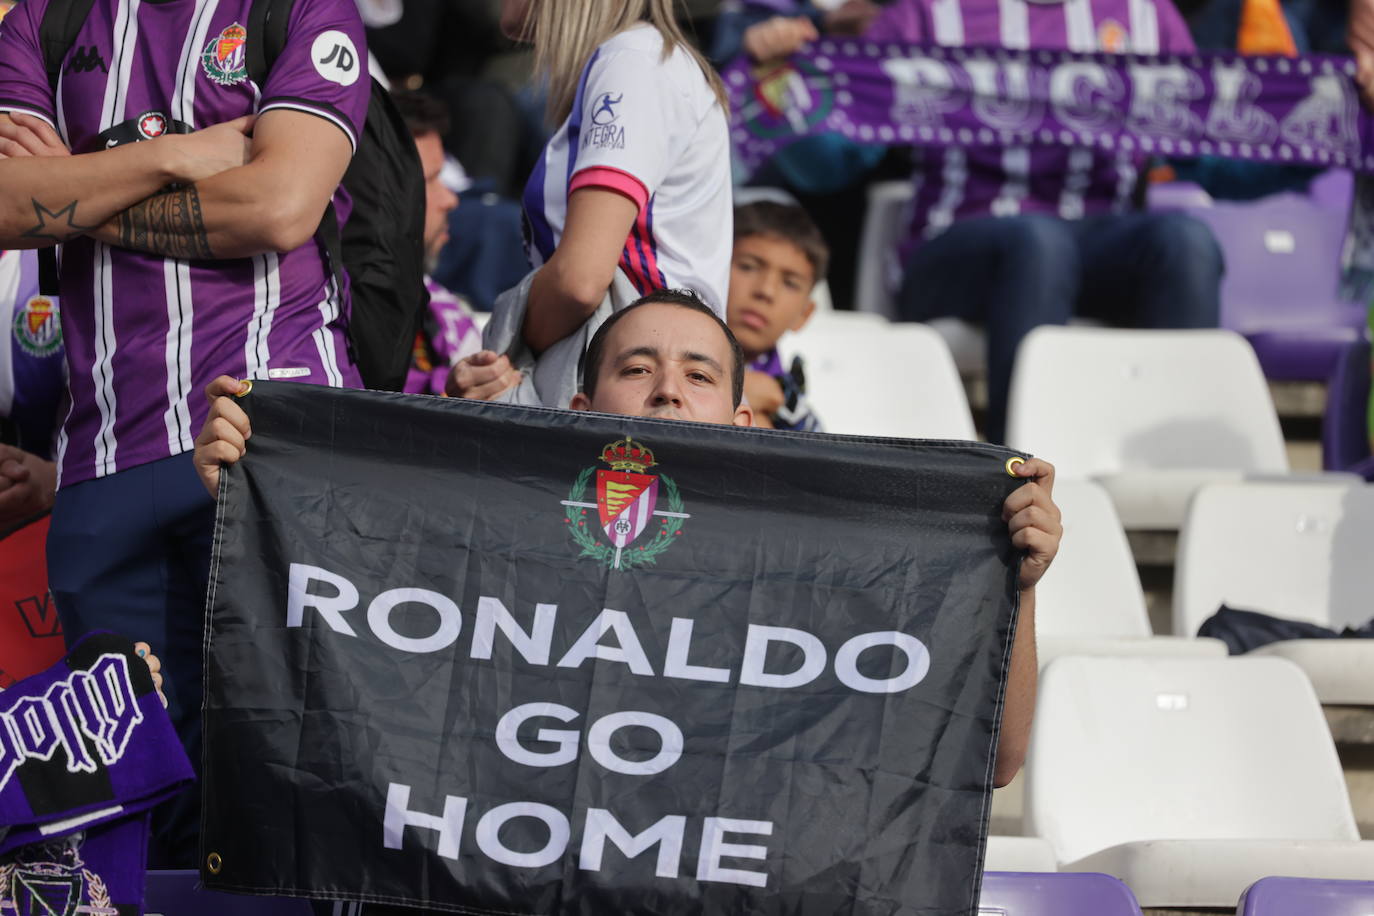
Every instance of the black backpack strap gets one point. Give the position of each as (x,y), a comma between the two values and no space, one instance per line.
(62,20)
(267,23)
(330,236)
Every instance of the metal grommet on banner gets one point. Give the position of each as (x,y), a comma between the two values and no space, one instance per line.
(214,863)
(248,383)
(1012,462)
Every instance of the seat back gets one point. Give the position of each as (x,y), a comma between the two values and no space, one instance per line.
(1308,896)
(1300,550)
(1282,262)
(1133,749)
(885,222)
(1106,400)
(1093,588)
(865,376)
(1014,894)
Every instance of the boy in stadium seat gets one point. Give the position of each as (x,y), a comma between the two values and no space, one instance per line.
(779,258)
(1015,238)
(669,356)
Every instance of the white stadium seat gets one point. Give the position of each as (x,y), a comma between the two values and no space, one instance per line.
(884,225)
(1300,551)
(1151,415)
(1090,602)
(1018,854)
(1188,778)
(865,376)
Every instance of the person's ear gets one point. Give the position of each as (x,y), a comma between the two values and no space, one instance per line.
(805,315)
(744,415)
(580,401)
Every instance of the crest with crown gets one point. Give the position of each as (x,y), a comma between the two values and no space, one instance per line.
(628,455)
(625,506)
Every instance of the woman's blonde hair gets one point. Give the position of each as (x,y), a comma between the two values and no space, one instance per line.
(565,33)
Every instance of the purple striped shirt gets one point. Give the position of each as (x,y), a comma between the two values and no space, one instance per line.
(146,334)
(955,183)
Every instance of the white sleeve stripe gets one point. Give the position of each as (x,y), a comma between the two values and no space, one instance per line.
(7,107)
(318,112)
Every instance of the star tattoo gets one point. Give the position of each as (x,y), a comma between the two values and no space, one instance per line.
(51,223)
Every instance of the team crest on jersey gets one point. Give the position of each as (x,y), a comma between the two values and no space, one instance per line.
(224,58)
(1112,37)
(38,328)
(51,879)
(626,506)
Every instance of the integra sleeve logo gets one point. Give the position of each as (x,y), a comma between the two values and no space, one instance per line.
(88,718)
(626,503)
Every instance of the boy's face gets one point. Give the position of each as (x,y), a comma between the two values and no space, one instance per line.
(666,361)
(770,291)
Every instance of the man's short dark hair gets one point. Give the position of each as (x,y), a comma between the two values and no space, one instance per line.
(589,367)
(788,223)
(423,113)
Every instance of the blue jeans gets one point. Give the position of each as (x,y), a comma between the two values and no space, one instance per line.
(1013,274)
(130,553)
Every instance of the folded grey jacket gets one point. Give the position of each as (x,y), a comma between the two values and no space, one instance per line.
(551,378)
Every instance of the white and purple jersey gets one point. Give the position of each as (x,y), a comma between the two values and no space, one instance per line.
(653,130)
(956,183)
(146,334)
(32,368)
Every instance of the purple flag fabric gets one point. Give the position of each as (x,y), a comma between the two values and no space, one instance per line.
(1267,109)
(86,749)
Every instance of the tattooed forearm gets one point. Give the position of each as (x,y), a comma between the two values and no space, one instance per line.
(55,225)
(169,224)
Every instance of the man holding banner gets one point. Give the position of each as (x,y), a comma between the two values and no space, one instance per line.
(788,701)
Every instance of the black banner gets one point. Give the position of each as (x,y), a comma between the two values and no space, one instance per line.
(511,660)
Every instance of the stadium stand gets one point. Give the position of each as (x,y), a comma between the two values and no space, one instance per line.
(1285,896)
(1297,551)
(1055,895)
(1189,779)
(1091,602)
(1151,415)
(856,362)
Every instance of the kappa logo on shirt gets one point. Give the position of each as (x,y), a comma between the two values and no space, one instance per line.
(224,59)
(87,59)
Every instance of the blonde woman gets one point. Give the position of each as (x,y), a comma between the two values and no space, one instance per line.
(632,191)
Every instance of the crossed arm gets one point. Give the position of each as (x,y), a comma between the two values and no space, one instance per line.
(231,202)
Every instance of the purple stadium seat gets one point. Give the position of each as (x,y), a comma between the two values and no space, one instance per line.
(1345,428)
(1308,897)
(1280,289)
(1334,188)
(1079,894)
(178,893)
